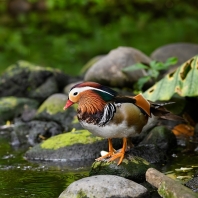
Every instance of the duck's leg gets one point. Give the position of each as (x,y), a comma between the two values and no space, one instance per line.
(110,153)
(121,153)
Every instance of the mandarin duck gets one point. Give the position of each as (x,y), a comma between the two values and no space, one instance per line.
(106,114)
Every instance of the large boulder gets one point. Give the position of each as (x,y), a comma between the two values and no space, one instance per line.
(24,79)
(104,186)
(76,148)
(108,70)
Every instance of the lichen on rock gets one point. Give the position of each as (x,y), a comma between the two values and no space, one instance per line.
(68,139)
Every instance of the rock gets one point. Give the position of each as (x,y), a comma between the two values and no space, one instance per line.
(28,114)
(162,137)
(6,130)
(104,186)
(33,132)
(78,145)
(133,168)
(150,152)
(52,110)
(193,183)
(91,62)
(183,51)
(11,107)
(108,70)
(19,134)
(47,88)
(167,187)
(24,79)
(40,131)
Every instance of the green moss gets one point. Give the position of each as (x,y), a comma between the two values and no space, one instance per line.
(164,192)
(28,67)
(52,106)
(82,194)
(7,102)
(68,139)
(140,160)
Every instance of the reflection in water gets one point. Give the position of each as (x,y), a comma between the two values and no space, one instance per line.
(32,183)
(20,178)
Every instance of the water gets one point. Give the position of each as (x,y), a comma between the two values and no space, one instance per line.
(20,178)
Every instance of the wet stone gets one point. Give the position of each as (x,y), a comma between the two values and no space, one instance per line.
(193,183)
(162,137)
(104,186)
(133,168)
(33,132)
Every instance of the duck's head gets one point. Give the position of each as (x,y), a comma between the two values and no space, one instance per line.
(89,93)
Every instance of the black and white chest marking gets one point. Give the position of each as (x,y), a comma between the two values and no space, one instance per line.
(108,114)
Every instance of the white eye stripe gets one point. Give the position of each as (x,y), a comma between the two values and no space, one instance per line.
(81,89)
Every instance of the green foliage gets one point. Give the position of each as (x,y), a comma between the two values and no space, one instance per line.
(182,81)
(66,34)
(153,71)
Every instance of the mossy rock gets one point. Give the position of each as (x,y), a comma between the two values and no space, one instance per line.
(134,165)
(76,149)
(52,110)
(24,79)
(11,107)
(133,168)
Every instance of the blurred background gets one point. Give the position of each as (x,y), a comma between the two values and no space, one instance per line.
(65,34)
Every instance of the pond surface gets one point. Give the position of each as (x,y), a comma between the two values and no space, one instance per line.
(20,178)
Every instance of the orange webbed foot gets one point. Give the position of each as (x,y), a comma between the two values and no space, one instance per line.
(121,153)
(110,153)
(117,155)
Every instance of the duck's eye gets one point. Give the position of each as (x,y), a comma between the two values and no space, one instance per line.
(75,93)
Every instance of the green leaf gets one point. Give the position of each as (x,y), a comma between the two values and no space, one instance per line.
(182,81)
(153,73)
(153,64)
(134,67)
(171,61)
(140,83)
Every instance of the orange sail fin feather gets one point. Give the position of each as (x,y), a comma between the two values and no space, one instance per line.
(143,104)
